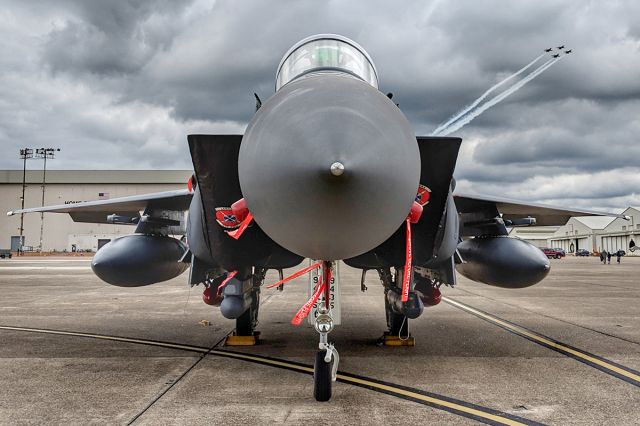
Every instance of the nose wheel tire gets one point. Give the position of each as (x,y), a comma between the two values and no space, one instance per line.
(322,377)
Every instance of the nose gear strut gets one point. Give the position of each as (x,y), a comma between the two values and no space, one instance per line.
(327,358)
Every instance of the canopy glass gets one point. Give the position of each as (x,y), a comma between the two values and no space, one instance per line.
(326,53)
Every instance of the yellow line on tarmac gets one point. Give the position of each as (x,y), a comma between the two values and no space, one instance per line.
(397,391)
(389,389)
(546,341)
(263,360)
(431,400)
(112,338)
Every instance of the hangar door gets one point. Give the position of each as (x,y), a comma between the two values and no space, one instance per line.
(615,243)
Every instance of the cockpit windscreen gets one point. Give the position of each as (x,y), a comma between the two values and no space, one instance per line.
(326,54)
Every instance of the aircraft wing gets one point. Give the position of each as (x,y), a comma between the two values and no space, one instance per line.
(479,212)
(168,206)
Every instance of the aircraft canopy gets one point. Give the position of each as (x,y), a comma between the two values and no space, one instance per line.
(326,53)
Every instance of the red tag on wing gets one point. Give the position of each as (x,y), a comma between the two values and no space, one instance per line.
(423,195)
(226,218)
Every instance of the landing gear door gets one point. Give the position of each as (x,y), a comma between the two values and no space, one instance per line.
(334,293)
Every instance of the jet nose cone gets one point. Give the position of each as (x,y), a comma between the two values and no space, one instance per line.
(329,167)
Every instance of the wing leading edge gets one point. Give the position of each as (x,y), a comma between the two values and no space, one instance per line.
(479,212)
(126,207)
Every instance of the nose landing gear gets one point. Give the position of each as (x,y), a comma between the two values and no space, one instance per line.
(323,311)
(326,364)
(325,368)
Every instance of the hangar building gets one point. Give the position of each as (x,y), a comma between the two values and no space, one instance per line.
(72,186)
(599,233)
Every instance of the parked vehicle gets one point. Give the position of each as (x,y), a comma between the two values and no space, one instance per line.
(5,253)
(561,251)
(552,253)
(583,252)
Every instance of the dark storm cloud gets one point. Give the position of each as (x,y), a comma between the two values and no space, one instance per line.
(105,37)
(127,80)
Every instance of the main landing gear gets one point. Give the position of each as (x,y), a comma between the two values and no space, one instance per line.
(238,296)
(245,333)
(398,313)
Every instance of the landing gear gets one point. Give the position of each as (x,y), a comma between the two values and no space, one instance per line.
(325,368)
(397,324)
(248,321)
(326,364)
(245,333)
(322,377)
(398,313)
(244,324)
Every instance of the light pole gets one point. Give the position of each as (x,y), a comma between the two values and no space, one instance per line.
(44,153)
(25,154)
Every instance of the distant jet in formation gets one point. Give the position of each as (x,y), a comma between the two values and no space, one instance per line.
(568,51)
(548,50)
(556,55)
(561,47)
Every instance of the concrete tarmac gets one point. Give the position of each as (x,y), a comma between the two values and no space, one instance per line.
(565,351)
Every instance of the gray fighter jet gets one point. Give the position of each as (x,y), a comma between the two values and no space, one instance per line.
(329,169)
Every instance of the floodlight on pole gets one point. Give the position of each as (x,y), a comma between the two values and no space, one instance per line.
(44,153)
(25,154)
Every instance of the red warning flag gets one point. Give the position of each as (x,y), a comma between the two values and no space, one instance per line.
(306,308)
(236,234)
(296,274)
(322,287)
(413,217)
(226,281)
(406,276)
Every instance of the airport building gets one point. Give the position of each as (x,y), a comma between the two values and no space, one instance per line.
(580,233)
(60,233)
(599,233)
(592,233)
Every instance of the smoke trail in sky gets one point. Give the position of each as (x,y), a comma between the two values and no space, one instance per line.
(485,94)
(473,114)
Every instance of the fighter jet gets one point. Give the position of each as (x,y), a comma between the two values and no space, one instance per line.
(556,55)
(328,169)
(561,47)
(568,51)
(548,50)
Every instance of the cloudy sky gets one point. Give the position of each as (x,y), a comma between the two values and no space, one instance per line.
(119,84)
